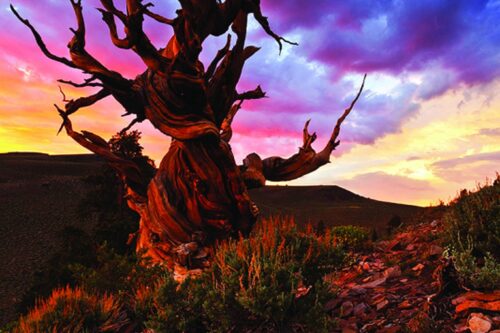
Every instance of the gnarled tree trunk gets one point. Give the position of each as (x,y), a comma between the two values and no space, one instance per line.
(199,194)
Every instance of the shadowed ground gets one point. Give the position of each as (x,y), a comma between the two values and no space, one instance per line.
(40,194)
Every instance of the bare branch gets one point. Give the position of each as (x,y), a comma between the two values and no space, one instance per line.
(304,162)
(89,82)
(156,17)
(63,94)
(264,22)
(218,57)
(109,19)
(74,105)
(225,128)
(332,143)
(129,126)
(135,38)
(40,42)
(110,7)
(128,170)
(257,93)
(308,138)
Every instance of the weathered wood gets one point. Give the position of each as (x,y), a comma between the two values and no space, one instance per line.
(199,194)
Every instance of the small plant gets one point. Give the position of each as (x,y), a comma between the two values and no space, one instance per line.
(272,281)
(74,310)
(351,237)
(473,233)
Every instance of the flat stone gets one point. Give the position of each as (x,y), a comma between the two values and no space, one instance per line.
(479,323)
(392,272)
(418,267)
(382,305)
(374,284)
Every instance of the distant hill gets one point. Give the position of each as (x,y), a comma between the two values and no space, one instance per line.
(331,204)
(40,194)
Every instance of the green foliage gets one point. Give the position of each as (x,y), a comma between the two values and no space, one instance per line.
(485,276)
(126,144)
(74,310)
(271,281)
(115,273)
(82,253)
(473,233)
(351,237)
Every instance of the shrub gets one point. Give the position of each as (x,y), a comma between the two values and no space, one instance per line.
(115,273)
(272,281)
(473,233)
(77,247)
(74,310)
(351,237)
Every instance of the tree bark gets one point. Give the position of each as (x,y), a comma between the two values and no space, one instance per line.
(198,195)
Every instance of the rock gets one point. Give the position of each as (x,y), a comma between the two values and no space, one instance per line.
(382,305)
(405,305)
(365,266)
(488,306)
(479,323)
(359,309)
(302,291)
(392,272)
(418,267)
(435,251)
(478,296)
(357,291)
(346,308)
(374,284)
(366,279)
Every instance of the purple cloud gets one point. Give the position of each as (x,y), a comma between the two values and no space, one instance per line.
(393,36)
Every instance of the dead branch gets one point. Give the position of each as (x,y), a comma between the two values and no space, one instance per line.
(304,162)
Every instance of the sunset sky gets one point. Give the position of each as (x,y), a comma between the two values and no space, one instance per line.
(427,124)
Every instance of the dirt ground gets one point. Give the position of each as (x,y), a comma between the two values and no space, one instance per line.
(40,194)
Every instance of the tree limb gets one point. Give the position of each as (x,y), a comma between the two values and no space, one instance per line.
(40,41)
(130,173)
(275,168)
(74,105)
(218,57)
(89,82)
(225,128)
(257,93)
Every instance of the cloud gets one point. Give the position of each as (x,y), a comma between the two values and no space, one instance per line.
(468,168)
(396,36)
(489,131)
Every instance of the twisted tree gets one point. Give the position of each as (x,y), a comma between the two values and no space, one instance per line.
(199,194)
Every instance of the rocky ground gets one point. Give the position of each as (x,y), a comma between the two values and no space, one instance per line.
(405,285)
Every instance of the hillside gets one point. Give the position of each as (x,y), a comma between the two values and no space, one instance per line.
(40,194)
(331,204)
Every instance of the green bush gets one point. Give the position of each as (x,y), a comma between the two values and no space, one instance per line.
(272,281)
(351,237)
(472,225)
